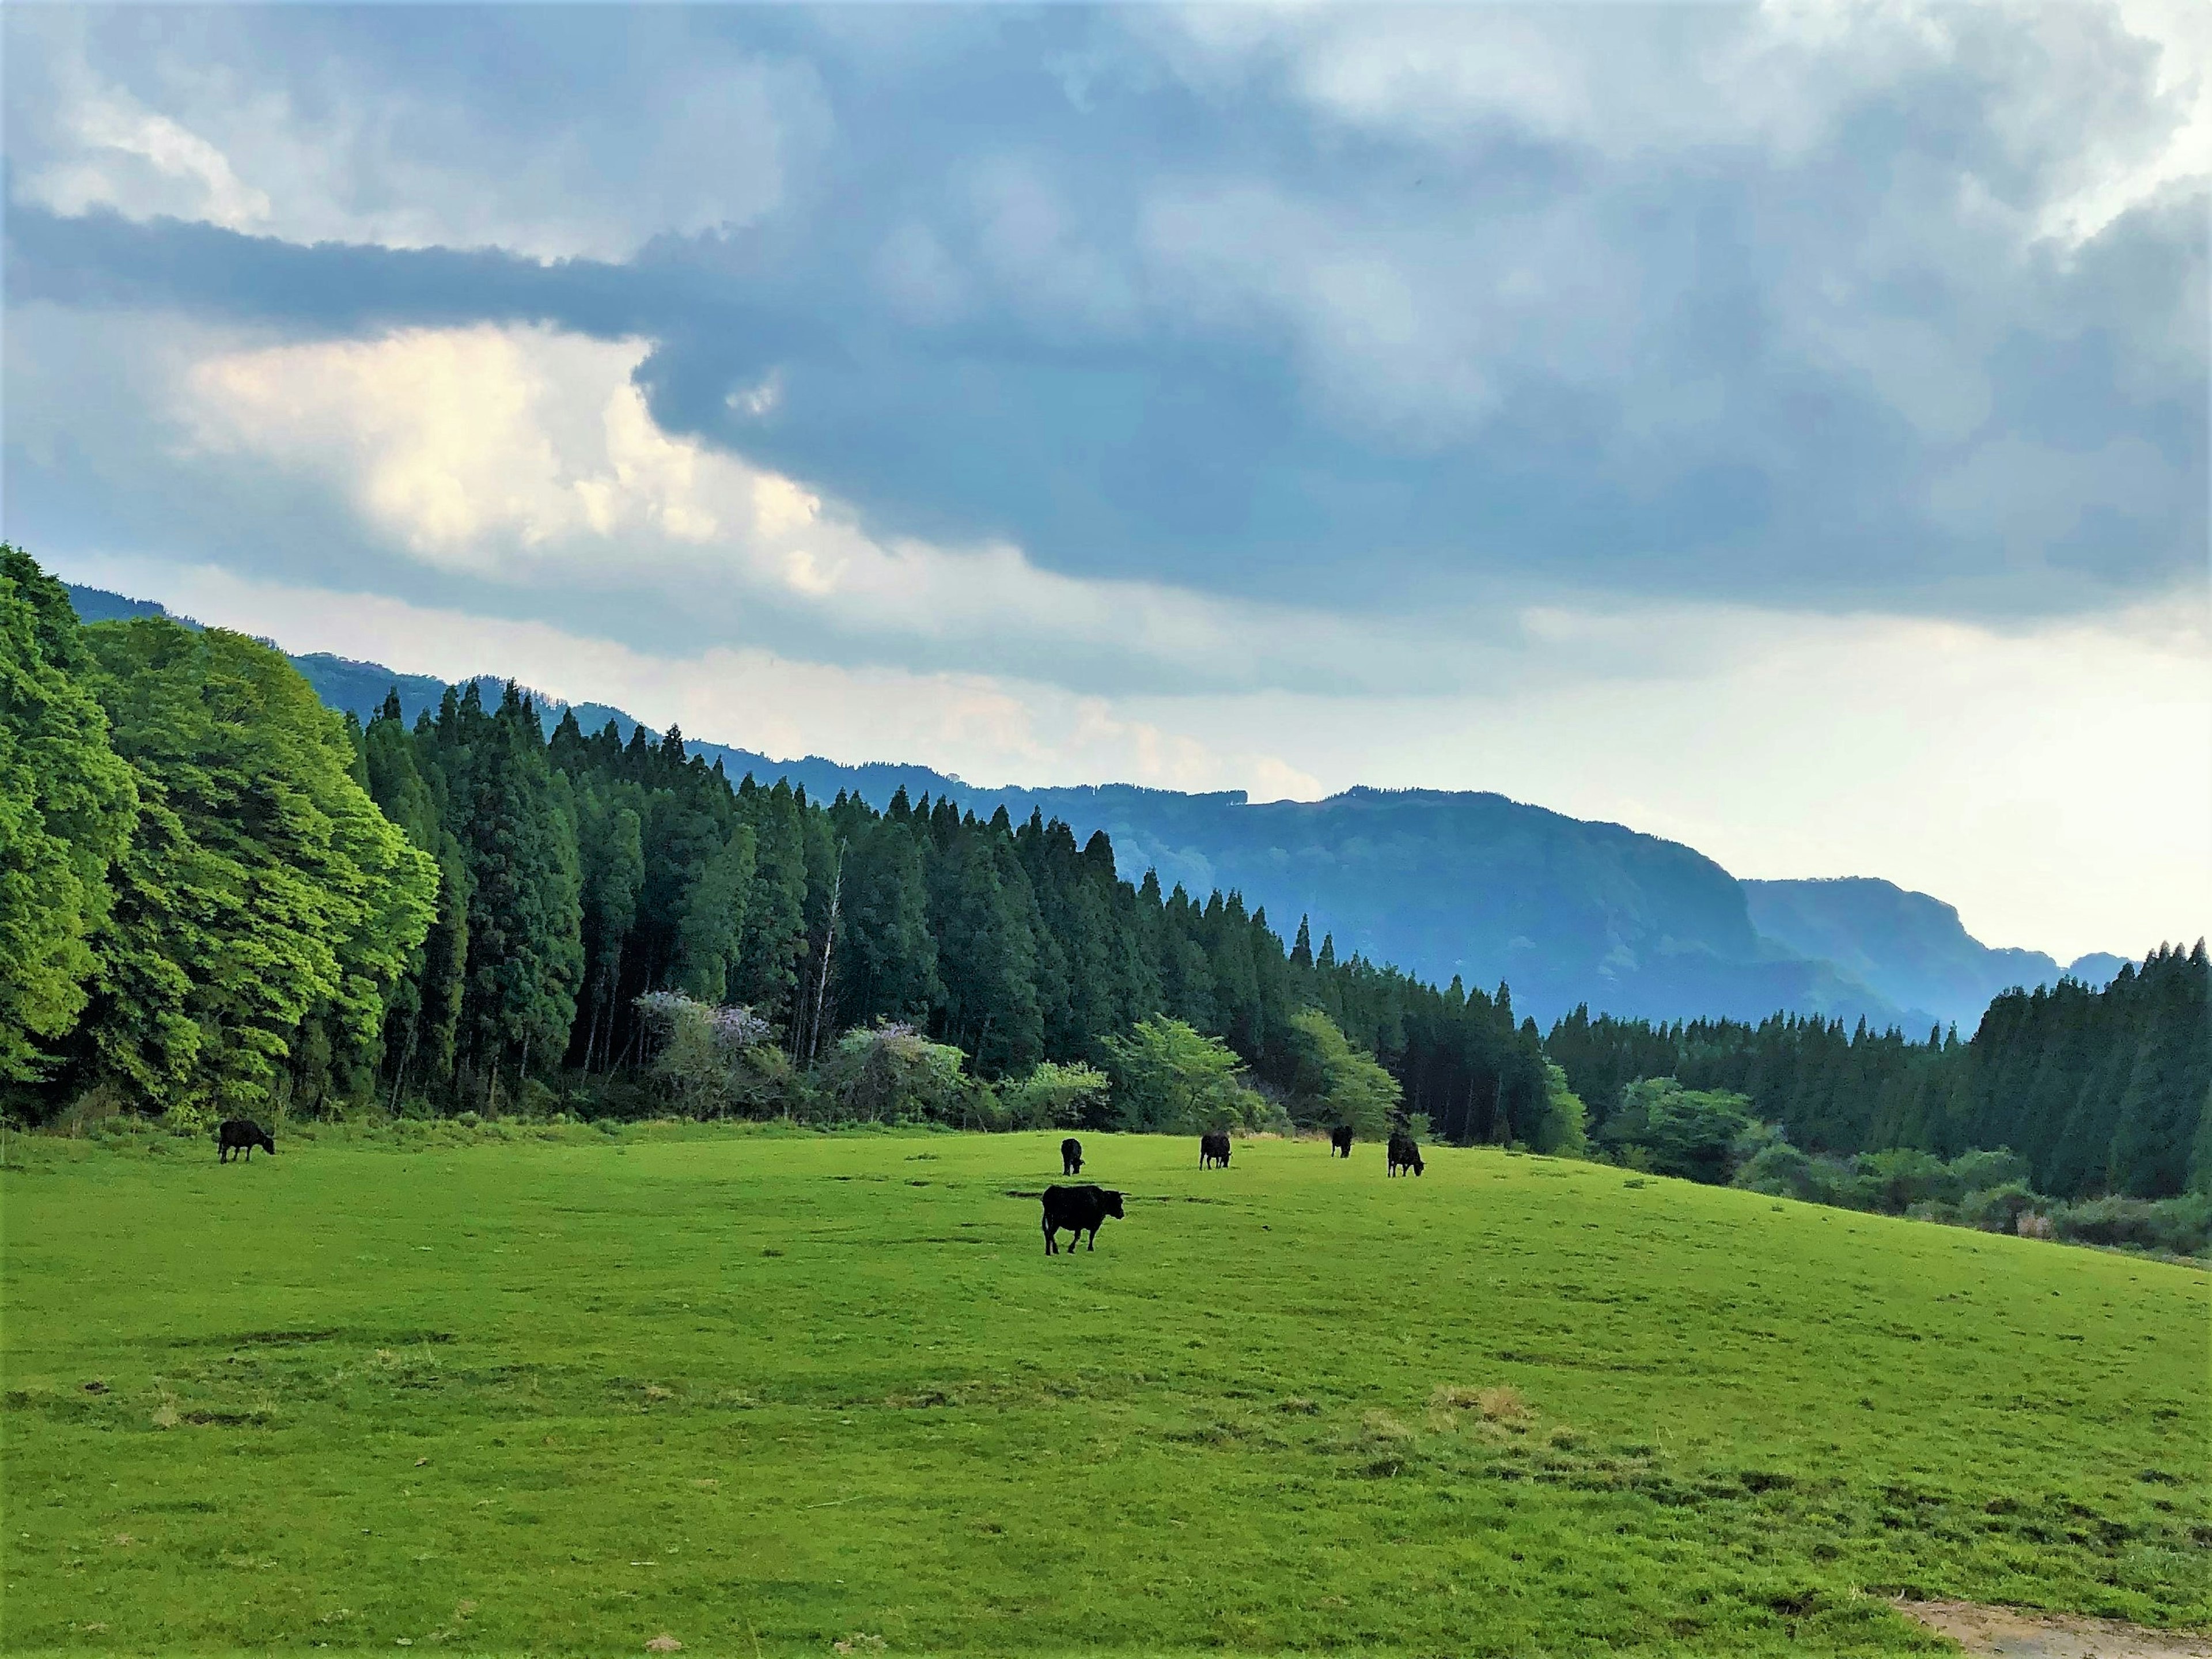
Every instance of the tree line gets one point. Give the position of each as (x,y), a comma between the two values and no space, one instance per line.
(217,896)
(2096,1090)
(223,898)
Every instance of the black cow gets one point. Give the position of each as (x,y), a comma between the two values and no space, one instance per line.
(1071,1156)
(1079,1210)
(1403,1154)
(1339,1140)
(1213,1150)
(241,1135)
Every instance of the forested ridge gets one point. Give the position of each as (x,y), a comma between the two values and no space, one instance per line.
(221,897)
(2099,1090)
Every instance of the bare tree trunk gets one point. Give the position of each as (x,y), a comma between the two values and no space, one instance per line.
(829,943)
(414,1024)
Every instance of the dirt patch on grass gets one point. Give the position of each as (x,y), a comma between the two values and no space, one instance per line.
(2017,1633)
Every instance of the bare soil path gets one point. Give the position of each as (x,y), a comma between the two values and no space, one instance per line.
(2015,1633)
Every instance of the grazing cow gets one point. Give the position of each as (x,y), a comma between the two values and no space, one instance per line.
(1339,1140)
(1071,1156)
(1403,1154)
(241,1135)
(1079,1210)
(1213,1150)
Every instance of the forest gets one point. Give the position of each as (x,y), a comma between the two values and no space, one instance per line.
(226,900)
(2098,1091)
(221,898)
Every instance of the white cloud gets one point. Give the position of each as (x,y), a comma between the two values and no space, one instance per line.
(1420,305)
(526,456)
(183,116)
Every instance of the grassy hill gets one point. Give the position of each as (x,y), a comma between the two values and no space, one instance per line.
(766,1395)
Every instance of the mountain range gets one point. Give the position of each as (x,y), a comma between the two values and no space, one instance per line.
(1445,883)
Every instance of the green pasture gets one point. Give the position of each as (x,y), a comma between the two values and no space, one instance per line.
(768,1394)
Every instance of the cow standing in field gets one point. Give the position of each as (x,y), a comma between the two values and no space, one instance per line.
(241,1135)
(1339,1140)
(1071,1156)
(1404,1153)
(1079,1210)
(1213,1150)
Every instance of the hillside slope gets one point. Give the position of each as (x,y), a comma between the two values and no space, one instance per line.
(763,1392)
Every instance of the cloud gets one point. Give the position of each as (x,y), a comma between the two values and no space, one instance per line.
(520,469)
(1369,309)
(221,118)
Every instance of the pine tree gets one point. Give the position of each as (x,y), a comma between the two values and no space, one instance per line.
(772,944)
(526,914)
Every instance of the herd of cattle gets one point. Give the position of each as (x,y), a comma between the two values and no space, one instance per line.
(1077,1211)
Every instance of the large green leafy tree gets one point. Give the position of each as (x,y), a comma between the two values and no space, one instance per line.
(67,804)
(262,890)
(1334,1085)
(1170,1079)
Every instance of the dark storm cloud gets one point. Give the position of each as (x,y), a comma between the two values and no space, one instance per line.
(1187,298)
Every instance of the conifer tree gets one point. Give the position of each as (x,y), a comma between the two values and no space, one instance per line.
(526,914)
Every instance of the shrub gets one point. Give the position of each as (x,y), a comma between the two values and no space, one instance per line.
(2182,1225)
(703,1049)
(1562,1129)
(1781,1171)
(1998,1209)
(1055,1096)
(1697,1133)
(1902,1177)
(891,1073)
(1978,1171)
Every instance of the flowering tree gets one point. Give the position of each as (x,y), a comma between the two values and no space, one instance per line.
(891,1073)
(702,1050)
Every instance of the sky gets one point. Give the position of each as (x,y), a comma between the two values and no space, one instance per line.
(1782,428)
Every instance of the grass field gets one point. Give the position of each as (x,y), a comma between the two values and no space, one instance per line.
(770,1395)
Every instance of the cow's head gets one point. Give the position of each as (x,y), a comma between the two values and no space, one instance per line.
(1112,1203)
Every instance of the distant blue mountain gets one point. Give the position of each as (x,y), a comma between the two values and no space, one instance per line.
(1444,883)
(1911,948)
(2097,970)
